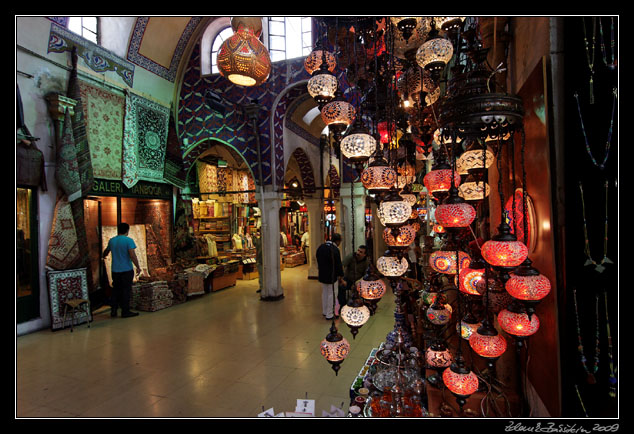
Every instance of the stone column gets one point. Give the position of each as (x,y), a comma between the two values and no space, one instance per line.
(269,203)
(315,232)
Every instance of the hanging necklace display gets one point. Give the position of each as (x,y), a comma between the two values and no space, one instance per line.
(612,64)
(590,52)
(595,367)
(585,135)
(612,380)
(605,260)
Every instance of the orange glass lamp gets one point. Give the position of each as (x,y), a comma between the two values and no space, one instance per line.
(461,381)
(335,348)
(405,235)
(371,287)
(314,60)
(470,280)
(323,84)
(243,59)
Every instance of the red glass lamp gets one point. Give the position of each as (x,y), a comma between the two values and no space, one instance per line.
(460,380)
(518,324)
(438,180)
(503,251)
(470,280)
(487,342)
(455,212)
(528,284)
(335,348)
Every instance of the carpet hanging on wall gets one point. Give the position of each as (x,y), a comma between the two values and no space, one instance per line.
(103,114)
(146,124)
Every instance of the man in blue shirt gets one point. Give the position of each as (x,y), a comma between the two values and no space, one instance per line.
(123,257)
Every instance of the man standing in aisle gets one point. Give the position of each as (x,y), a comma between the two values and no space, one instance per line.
(305,242)
(330,273)
(355,266)
(123,257)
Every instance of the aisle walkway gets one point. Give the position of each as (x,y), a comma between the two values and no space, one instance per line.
(224,354)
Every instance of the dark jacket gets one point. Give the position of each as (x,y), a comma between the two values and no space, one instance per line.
(328,263)
(354,270)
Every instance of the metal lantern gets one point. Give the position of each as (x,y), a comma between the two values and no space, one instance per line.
(243,59)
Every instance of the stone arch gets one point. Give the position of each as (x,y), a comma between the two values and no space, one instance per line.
(335,181)
(280,107)
(204,145)
(306,169)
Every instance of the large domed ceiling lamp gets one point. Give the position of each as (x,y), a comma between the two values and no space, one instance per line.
(242,58)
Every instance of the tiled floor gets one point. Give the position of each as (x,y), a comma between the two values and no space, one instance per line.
(224,354)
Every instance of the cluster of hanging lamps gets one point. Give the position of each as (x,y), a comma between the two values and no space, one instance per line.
(242,58)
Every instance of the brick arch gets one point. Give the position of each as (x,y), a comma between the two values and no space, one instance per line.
(306,170)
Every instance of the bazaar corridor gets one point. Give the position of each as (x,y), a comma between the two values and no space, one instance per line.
(223,354)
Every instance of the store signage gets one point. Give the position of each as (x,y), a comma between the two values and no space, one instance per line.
(108,187)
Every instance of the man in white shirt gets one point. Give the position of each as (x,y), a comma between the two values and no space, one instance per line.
(305,243)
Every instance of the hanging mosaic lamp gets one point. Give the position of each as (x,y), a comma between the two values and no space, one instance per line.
(444,261)
(438,313)
(385,132)
(390,265)
(438,356)
(527,283)
(355,314)
(460,381)
(358,145)
(405,235)
(472,190)
(450,23)
(394,210)
(467,327)
(323,84)
(469,280)
(314,60)
(378,177)
(338,114)
(438,180)
(487,342)
(335,348)
(243,59)
(503,251)
(455,212)
(434,54)
(371,286)
(518,324)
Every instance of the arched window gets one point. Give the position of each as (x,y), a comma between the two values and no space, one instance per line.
(289,37)
(219,39)
(86,27)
